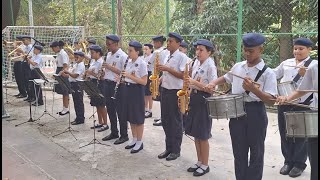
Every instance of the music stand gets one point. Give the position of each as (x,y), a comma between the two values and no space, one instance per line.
(92,91)
(66,86)
(39,72)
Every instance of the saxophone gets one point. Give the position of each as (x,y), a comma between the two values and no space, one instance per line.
(184,94)
(154,85)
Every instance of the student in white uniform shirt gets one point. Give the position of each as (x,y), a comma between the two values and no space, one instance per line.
(88,60)
(148,101)
(132,94)
(62,64)
(17,69)
(35,62)
(248,132)
(74,75)
(171,83)
(93,74)
(184,49)
(158,42)
(77,47)
(309,82)
(294,150)
(113,66)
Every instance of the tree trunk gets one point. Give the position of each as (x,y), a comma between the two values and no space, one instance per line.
(286,27)
(119,20)
(6,12)
(199,6)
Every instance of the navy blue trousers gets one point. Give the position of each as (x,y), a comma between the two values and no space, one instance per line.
(77,97)
(171,120)
(248,133)
(35,90)
(294,150)
(17,69)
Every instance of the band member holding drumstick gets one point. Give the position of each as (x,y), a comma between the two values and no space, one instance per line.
(172,82)
(294,150)
(74,75)
(309,82)
(198,124)
(132,94)
(147,51)
(248,132)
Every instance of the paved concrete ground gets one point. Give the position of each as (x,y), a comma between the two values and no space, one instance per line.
(30,152)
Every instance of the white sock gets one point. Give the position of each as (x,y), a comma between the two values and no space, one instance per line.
(137,146)
(65,109)
(198,164)
(145,109)
(204,167)
(150,110)
(132,142)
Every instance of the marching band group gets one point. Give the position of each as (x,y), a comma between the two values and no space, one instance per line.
(129,82)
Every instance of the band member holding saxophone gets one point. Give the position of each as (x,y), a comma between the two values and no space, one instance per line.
(113,66)
(294,150)
(198,123)
(148,101)
(132,94)
(171,83)
(76,74)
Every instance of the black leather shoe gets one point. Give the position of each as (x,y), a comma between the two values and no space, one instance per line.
(159,123)
(26,99)
(39,104)
(135,151)
(77,122)
(148,114)
(31,100)
(22,96)
(172,156)
(164,154)
(62,114)
(110,136)
(285,169)
(121,140)
(96,126)
(130,147)
(195,173)
(103,128)
(157,119)
(191,169)
(295,172)
(17,95)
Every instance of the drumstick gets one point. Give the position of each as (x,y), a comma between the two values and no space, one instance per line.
(302,67)
(314,91)
(219,92)
(292,103)
(238,76)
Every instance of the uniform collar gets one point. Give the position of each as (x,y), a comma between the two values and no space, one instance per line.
(259,66)
(175,53)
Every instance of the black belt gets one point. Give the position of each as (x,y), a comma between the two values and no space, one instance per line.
(129,84)
(196,91)
(170,90)
(108,80)
(254,102)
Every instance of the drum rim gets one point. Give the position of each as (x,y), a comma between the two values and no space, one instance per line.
(225,97)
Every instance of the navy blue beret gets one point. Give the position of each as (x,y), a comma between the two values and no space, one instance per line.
(159,38)
(149,45)
(253,39)
(92,41)
(176,35)
(135,44)
(79,53)
(184,44)
(26,36)
(38,47)
(303,42)
(55,44)
(205,42)
(95,47)
(113,37)
(19,37)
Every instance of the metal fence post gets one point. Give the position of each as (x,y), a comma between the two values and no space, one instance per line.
(239,30)
(74,12)
(11,10)
(113,16)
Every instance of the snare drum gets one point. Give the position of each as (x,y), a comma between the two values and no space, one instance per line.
(286,88)
(302,124)
(225,106)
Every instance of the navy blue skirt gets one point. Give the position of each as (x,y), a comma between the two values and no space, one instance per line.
(147,90)
(198,123)
(57,87)
(98,101)
(132,103)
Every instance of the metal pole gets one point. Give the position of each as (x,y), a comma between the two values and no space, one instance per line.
(167,17)
(31,19)
(11,9)
(74,12)
(239,29)
(113,11)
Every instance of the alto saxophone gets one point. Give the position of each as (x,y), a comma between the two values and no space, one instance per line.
(183,94)
(154,85)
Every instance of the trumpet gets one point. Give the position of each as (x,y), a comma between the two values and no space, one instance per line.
(5,43)
(19,58)
(10,53)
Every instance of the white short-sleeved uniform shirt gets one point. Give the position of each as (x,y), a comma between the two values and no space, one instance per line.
(163,56)
(138,68)
(267,81)
(147,60)
(204,73)
(79,68)
(116,60)
(37,59)
(62,58)
(310,82)
(95,67)
(28,49)
(176,61)
(287,73)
